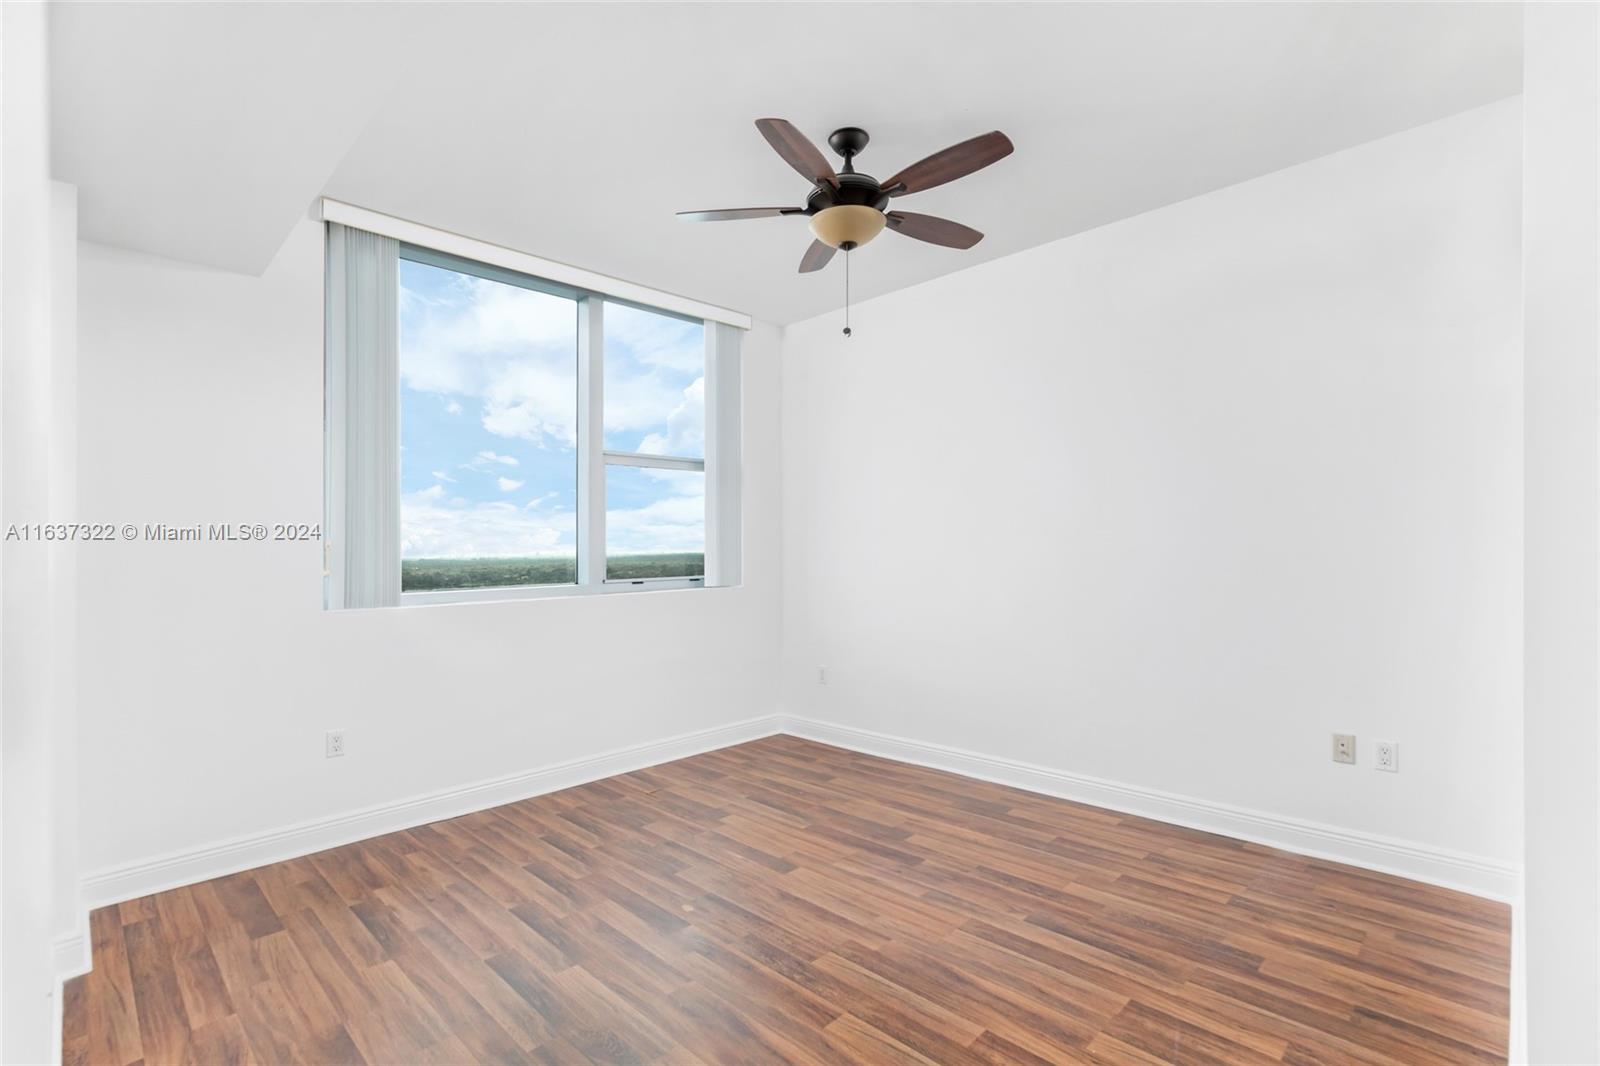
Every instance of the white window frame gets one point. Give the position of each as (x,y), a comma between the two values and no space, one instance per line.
(720,464)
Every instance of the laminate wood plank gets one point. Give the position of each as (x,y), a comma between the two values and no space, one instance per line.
(623,962)
(223,1043)
(769,1007)
(205,996)
(111,1028)
(185,930)
(945,981)
(460,988)
(633,1028)
(459,974)
(750,968)
(784,901)
(279,887)
(841,986)
(341,978)
(412,1024)
(340,925)
(722,1034)
(1313,1032)
(1163,1037)
(235,954)
(265,1021)
(860,1042)
(1372,989)
(999,1051)
(1071,999)
(244,900)
(164,1027)
(1068,956)
(75,1021)
(137,910)
(315,1016)
(795,912)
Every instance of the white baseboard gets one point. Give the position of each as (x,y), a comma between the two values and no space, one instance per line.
(70,953)
(1518,1037)
(119,883)
(1420,862)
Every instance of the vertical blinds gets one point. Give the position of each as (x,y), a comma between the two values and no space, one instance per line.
(363,419)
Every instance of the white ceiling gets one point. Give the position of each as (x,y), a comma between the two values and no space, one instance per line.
(204,131)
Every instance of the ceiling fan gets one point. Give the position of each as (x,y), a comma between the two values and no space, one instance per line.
(847,209)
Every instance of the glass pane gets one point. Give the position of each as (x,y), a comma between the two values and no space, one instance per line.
(488,432)
(655,385)
(655,522)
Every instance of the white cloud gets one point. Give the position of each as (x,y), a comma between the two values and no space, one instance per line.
(649,358)
(442,476)
(658,340)
(672,523)
(513,347)
(539,500)
(686,425)
(452,408)
(491,457)
(458,529)
(433,527)
(508,484)
(533,403)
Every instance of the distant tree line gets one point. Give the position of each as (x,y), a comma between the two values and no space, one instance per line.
(421,575)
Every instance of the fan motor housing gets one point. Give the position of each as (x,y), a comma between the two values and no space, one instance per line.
(853,189)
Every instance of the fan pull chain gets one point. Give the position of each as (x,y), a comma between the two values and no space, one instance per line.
(847,292)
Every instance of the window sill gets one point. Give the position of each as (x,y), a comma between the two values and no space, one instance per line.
(548,592)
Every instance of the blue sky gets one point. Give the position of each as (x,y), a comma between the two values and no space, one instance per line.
(488,413)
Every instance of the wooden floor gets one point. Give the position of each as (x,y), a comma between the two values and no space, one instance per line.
(786,901)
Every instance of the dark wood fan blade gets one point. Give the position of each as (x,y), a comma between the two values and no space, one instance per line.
(954,162)
(797,151)
(933,230)
(738,212)
(816,257)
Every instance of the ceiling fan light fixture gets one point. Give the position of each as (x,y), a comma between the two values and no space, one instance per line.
(847,224)
(848,208)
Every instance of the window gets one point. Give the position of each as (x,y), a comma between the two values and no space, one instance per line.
(543,437)
(488,428)
(655,439)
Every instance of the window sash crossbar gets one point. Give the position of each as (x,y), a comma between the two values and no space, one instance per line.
(658,462)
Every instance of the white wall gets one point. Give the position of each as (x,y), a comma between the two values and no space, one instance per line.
(70,933)
(32,637)
(211,671)
(1170,502)
(1562,413)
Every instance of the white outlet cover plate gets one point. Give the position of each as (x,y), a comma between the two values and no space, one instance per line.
(1386,756)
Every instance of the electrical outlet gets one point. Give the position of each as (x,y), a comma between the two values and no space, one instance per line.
(333,742)
(822,675)
(1386,756)
(1344,747)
